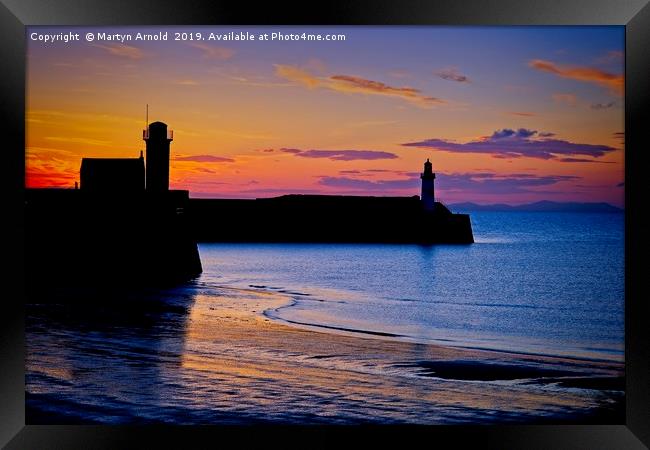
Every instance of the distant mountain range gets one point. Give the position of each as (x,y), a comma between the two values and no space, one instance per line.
(543,206)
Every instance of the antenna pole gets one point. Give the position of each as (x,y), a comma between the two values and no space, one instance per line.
(146,119)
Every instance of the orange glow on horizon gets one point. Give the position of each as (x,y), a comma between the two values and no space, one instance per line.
(236,110)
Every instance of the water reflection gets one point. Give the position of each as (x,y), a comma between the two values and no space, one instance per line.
(202,354)
(100,354)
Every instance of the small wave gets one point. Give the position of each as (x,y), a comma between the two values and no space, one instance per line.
(486,240)
(332,327)
(284,291)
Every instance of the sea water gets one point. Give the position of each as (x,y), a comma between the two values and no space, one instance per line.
(533,283)
(544,283)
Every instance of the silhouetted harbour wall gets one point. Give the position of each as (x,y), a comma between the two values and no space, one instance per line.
(122,238)
(81,237)
(327,218)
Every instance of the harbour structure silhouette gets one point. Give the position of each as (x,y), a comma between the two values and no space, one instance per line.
(428,177)
(158,140)
(124,224)
(332,218)
(128,174)
(101,174)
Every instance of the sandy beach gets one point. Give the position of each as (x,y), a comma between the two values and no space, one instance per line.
(224,361)
(375,370)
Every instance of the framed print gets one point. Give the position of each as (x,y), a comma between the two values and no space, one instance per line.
(393,220)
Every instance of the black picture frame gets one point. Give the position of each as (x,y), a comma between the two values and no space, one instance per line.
(16,14)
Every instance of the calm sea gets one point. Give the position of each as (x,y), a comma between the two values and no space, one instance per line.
(533,283)
(546,283)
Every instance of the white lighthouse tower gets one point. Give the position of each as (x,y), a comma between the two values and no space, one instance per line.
(427,198)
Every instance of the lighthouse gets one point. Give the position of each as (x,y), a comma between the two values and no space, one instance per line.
(157,140)
(427,198)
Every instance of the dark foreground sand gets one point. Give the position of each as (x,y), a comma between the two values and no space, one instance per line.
(232,364)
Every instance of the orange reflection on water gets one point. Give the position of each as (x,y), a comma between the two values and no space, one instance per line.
(235,358)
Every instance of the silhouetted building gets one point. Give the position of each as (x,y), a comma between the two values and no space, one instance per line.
(149,233)
(428,198)
(113,174)
(130,174)
(158,139)
(129,228)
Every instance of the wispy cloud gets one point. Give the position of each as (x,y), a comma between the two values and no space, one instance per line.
(282,191)
(502,184)
(584,160)
(619,135)
(470,182)
(509,143)
(368,185)
(204,170)
(355,85)
(614,82)
(603,105)
(341,155)
(347,83)
(122,50)
(293,73)
(376,172)
(78,140)
(213,51)
(62,117)
(613,56)
(452,74)
(293,151)
(520,113)
(187,82)
(204,159)
(48,167)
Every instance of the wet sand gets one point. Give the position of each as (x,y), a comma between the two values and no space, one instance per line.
(226,362)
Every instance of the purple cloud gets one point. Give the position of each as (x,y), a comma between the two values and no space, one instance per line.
(492,183)
(368,185)
(474,182)
(291,150)
(203,158)
(603,105)
(583,160)
(375,172)
(507,132)
(278,191)
(508,143)
(452,74)
(341,155)
(204,169)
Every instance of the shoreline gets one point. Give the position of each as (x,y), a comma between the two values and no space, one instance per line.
(226,352)
(377,334)
(456,351)
(405,338)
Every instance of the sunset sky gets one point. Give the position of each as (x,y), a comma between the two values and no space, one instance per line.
(505,114)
